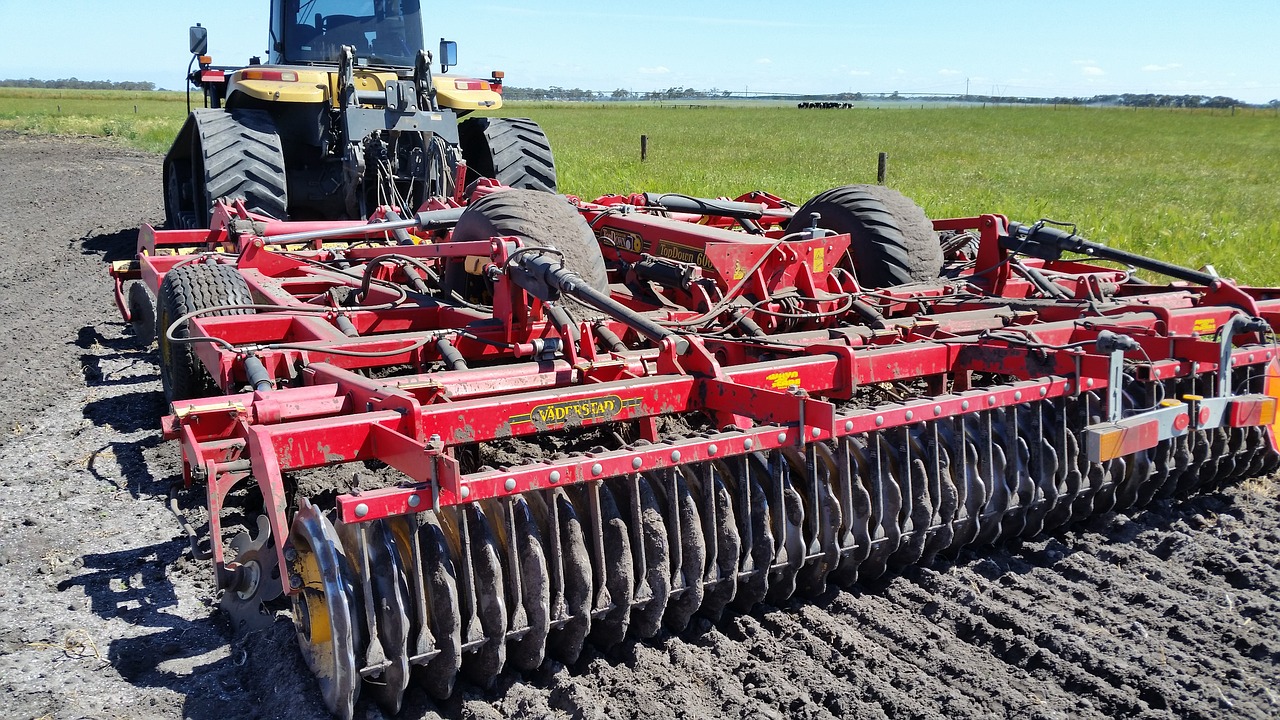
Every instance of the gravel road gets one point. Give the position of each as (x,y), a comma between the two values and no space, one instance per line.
(1169,612)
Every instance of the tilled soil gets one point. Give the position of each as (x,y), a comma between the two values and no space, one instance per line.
(1169,612)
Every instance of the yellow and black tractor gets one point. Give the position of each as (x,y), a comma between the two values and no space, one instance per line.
(345,116)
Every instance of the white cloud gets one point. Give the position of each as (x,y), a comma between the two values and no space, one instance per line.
(860,72)
(1161,68)
(948,71)
(1093,71)
(660,70)
(764,61)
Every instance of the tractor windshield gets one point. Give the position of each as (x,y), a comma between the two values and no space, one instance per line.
(384,32)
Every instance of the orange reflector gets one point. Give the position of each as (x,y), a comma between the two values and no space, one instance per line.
(206,59)
(471,84)
(1271,387)
(1110,442)
(499,74)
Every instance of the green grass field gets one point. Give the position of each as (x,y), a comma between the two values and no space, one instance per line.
(1193,187)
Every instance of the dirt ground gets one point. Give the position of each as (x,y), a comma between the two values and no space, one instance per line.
(1166,613)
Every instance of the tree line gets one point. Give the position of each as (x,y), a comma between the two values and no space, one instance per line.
(77,84)
(1151,100)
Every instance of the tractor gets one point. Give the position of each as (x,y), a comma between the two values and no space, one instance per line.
(345,116)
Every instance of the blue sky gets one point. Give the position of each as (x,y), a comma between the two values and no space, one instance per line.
(1084,47)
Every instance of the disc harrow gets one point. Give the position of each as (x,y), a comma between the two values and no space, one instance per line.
(734,418)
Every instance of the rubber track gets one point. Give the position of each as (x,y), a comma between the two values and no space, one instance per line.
(513,151)
(185,289)
(243,158)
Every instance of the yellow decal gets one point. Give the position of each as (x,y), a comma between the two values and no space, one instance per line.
(629,241)
(684,254)
(1205,325)
(783,380)
(738,272)
(819,259)
(575,412)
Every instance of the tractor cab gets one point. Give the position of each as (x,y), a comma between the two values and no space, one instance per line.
(383,32)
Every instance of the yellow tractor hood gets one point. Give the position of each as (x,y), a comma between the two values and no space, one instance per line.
(466,93)
(281,83)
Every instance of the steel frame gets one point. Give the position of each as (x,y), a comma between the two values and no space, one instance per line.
(791,389)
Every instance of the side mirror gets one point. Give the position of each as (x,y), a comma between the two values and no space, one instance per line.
(199,40)
(448,54)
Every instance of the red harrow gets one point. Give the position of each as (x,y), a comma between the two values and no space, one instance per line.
(574,420)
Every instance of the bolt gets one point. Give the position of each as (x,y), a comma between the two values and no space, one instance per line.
(964,405)
(910,414)
(879,420)
(782,437)
(1044,391)
(712,449)
(937,410)
(636,463)
(675,456)
(414,501)
(362,510)
(848,426)
(1088,382)
(290,554)
(747,444)
(1017,395)
(1066,387)
(466,492)
(510,484)
(991,399)
(817,432)
(597,469)
(295,581)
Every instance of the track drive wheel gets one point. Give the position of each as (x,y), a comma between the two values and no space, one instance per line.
(326,612)
(539,220)
(891,242)
(185,289)
(224,153)
(513,151)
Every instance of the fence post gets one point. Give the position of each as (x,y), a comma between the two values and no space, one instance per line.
(644,147)
(882,168)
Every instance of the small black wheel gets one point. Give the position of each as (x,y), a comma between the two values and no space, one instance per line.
(891,240)
(541,220)
(142,314)
(185,289)
(513,151)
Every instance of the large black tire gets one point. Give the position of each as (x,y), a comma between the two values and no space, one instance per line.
(891,240)
(539,219)
(225,153)
(513,151)
(185,289)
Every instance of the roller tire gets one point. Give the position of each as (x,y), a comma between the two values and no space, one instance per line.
(540,220)
(891,241)
(513,151)
(185,289)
